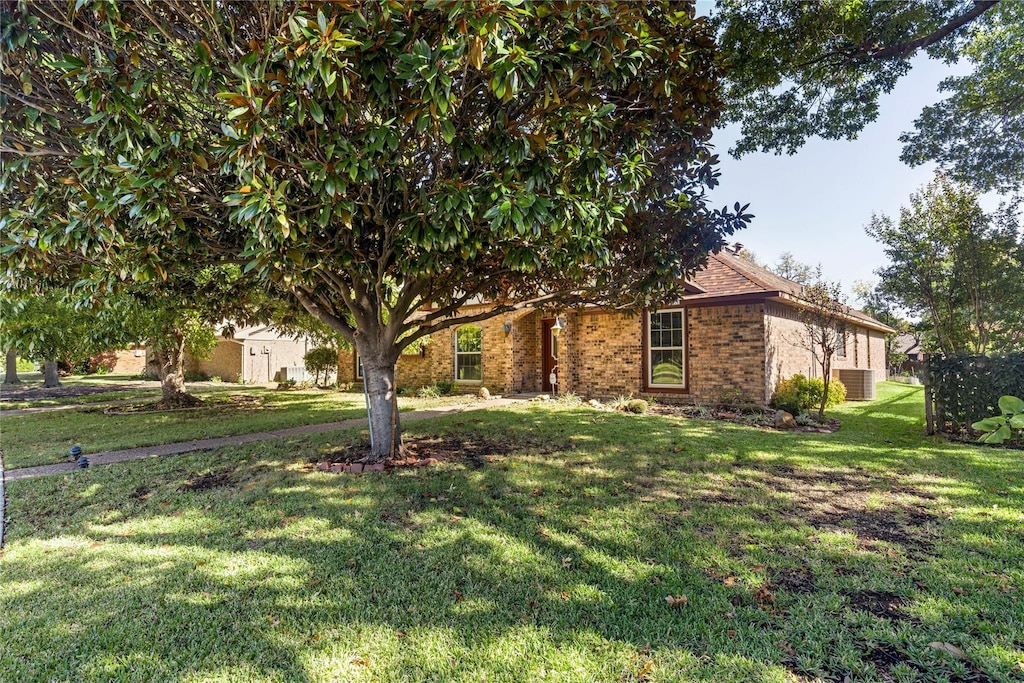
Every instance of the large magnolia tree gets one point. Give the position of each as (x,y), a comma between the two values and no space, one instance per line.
(385,162)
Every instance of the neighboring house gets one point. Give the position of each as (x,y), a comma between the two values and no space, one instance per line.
(910,345)
(252,355)
(735,335)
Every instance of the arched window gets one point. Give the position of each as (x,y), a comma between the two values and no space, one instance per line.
(469,353)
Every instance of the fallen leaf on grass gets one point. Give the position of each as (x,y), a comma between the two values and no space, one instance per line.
(544,533)
(948,648)
(676,600)
(764,597)
(958,590)
(566,561)
(789,649)
(459,596)
(360,661)
(729,581)
(274,621)
(644,674)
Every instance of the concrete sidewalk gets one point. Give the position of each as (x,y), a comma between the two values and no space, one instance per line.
(110,457)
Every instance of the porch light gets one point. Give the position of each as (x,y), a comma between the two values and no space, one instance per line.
(556,329)
(506,329)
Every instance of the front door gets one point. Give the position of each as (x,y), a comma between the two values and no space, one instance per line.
(549,354)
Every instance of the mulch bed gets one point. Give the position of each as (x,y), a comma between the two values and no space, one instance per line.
(189,403)
(418,452)
(750,417)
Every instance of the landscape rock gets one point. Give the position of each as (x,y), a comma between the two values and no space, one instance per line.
(594,403)
(323,466)
(784,420)
(484,393)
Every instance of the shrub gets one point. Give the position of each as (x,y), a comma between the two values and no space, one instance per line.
(322,360)
(569,399)
(445,387)
(636,405)
(429,391)
(800,393)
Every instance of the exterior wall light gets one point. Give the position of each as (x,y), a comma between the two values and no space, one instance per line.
(506,329)
(556,329)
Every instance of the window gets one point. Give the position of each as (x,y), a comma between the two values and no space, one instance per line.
(359,368)
(840,343)
(468,354)
(666,347)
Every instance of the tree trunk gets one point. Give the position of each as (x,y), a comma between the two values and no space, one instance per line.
(50,376)
(826,371)
(385,426)
(11,371)
(172,373)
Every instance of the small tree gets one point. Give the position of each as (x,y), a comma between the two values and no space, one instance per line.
(321,360)
(825,319)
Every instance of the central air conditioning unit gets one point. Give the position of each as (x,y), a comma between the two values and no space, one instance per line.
(295,374)
(860,384)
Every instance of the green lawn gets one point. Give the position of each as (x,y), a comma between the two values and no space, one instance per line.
(43,438)
(801,557)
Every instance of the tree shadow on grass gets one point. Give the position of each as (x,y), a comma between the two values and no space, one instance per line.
(556,560)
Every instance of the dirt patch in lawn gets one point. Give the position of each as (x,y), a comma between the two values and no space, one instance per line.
(210,480)
(880,603)
(849,500)
(35,393)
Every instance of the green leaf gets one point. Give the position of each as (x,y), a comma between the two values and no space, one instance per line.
(316,112)
(998,436)
(1011,405)
(1017,421)
(988,424)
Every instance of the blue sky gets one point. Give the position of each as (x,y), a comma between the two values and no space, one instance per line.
(817,202)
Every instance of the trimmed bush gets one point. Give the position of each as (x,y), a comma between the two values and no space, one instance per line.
(799,394)
(967,388)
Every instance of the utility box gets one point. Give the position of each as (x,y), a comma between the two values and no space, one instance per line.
(293,374)
(860,384)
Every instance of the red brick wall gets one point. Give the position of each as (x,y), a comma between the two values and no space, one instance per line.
(726,352)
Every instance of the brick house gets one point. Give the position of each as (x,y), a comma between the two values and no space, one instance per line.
(734,335)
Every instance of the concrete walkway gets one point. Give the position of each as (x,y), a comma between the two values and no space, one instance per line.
(111,457)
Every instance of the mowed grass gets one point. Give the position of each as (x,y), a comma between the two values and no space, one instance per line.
(801,557)
(46,437)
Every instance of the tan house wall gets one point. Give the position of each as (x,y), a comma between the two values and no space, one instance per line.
(788,355)
(225,361)
(260,368)
(726,347)
(126,362)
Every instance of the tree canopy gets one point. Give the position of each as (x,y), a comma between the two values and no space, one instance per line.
(385,163)
(799,69)
(958,268)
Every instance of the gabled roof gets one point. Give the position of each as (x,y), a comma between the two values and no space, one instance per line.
(728,275)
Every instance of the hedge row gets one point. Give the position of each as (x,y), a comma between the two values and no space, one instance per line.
(966,389)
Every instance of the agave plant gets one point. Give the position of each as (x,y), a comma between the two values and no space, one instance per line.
(999,429)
